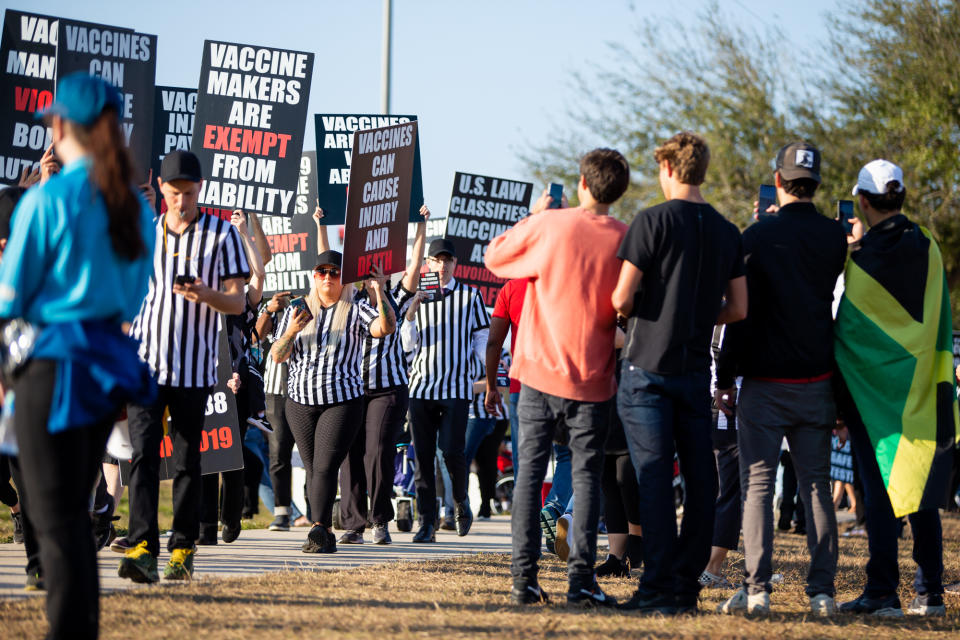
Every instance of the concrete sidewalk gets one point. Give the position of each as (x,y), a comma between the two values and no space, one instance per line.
(259,551)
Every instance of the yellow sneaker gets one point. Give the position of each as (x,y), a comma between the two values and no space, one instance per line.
(138,564)
(180,566)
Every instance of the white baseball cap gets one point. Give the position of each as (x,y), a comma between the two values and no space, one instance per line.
(876,175)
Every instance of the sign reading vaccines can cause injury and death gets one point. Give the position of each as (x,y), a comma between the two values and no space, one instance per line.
(481,208)
(335,133)
(378,201)
(248,134)
(126,59)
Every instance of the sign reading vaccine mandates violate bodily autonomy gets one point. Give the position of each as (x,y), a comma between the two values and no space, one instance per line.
(481,208)
(378,201)
(248,133)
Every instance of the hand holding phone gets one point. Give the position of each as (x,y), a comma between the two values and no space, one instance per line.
(845,215)
(556,195)
(184,279)
(766,197)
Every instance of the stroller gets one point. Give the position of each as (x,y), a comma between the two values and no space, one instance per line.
(404,491)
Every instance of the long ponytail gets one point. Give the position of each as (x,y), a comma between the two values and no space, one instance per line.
(112,173)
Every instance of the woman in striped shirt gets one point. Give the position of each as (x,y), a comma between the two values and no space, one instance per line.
(323,347)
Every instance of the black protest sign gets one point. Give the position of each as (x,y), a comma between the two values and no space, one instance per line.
(481,208)
(430,283)
(378,201)
(251,111)
(125,59)
(293,239)
(28,75)
(335,134)
(173,114)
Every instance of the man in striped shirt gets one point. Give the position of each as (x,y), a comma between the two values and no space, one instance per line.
(199,271)
(443,334)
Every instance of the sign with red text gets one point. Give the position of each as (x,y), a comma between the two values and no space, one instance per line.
(481,208)
(248,133)
(335,134)
(293,239)
(378,201)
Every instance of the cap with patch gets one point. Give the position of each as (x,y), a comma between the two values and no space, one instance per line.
(81,98)
(876,175)
(329,257)
(180,165)
(441,245)
(799,160)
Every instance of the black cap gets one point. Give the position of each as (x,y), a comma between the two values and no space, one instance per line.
(329,257)
(441,245)
(8,202)
(799,160)
(180,165)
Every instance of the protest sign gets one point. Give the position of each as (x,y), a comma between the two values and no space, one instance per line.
(125,59)
(430,283)
(335,134)
(28,51)
(293,239)
(173,114)
(481,208)
(378,201)
(248,135)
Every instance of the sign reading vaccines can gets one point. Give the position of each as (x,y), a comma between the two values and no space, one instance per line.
(481,208)
(251,112)
(378,201)
(335,133)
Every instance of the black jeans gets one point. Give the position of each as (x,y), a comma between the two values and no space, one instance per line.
(324,435)
(883,528)
(59,471)
(281,449)
(587,422)
(728,512)
(663,415)
(368,468)
(187,407)
(228,495)
(791,505)
(440,423)
(30,545)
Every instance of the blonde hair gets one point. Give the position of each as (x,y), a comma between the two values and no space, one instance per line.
(340,315)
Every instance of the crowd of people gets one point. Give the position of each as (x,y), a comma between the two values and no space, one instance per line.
(681,342)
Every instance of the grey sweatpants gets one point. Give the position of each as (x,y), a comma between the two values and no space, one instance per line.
(806,415)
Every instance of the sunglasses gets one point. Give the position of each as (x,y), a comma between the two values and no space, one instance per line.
(332,272)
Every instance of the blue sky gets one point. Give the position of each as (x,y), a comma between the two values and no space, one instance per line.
(487,79)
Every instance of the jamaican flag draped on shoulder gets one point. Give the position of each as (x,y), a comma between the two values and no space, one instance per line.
(894,348)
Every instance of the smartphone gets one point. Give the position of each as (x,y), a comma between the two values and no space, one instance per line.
(766,197)
(556,194)
(182,280)
(844,213)
(300,304)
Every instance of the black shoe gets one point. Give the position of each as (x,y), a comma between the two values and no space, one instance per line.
(280,523)
(208,534)
(528,594)
(427,533)
(320,540)
(646,602)
(884,606)
(800,531)
(590,597)
(18,527)
(231,532)
(463,517)
(351,537)
(447,524)
(613,567)
(381,535)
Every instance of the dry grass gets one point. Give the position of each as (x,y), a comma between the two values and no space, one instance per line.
(466,597)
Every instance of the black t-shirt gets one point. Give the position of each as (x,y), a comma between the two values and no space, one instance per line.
(688,254)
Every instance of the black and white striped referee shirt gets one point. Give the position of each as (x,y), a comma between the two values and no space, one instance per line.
(384,364)
(315,378)
(178,338)
(449,331)
(274,376)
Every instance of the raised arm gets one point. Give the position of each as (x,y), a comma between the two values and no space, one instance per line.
(411,279)
(386,323)
(257,271)
(323,242)
(260,239)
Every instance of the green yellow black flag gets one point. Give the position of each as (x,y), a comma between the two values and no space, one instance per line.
(894,347)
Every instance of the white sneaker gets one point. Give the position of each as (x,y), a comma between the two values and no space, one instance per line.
(709,580)
(823,605)
(927,606)
(740,602)
(564,536)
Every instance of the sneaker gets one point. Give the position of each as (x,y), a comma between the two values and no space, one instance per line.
(322,540)
(613,567)
(17,526)
(180,566)
(231,532)
(929,604)
(741,602)
(590,597)
(548,526)
(883,606)
(563,541)
(646,602)
(280,523)
(952,589)
(381,535)
(351,537)
(139,565)
(447,524)
(823,605)
(528,594)
(120,545)
(463,518)
(34,582)
(709,580)
(260,423)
